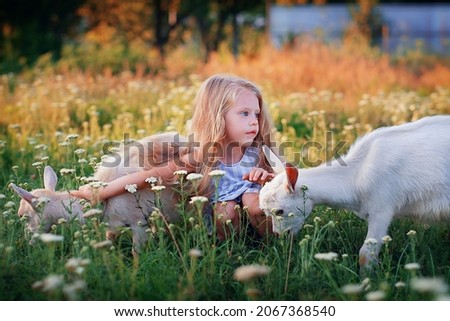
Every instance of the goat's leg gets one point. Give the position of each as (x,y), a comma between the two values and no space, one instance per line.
(377,228)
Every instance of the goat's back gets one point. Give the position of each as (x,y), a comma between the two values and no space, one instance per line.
(405,166)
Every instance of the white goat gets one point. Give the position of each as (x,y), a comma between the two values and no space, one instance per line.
(118,211)
(392,172)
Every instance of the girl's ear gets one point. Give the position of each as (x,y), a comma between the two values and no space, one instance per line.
(292,175)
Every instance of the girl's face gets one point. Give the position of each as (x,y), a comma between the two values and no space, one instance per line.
(242,119)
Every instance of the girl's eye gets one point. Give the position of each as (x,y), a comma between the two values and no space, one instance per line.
(245,113)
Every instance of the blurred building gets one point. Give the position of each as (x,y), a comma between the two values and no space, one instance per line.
(404,25)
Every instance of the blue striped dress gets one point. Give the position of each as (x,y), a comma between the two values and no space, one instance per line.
(232,186)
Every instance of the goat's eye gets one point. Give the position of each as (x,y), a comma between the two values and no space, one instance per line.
(279,212)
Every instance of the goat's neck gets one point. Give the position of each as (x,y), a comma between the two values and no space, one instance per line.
(330,185)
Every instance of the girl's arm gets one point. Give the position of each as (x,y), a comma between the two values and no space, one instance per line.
(117,186)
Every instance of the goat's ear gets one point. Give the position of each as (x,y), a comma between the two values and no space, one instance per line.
(50,179)
(27,196)
(292,175)
(276,163)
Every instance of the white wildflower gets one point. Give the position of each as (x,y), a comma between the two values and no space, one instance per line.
(217,173)
(151,180)
(412,266)
(131,188)
(375,295)
(67,171)
(411,233)
(429,285)
(9,204)
(76,265)
(194,177)
(195,253)
(198,199)
(102,244)
(386,239)
(37,164)
(370,240)
(326,256)
(72,137)
(352,289)
(49,284)
(71,290)
(158,188)
(247,272)
(180,172)
(62,221)
(400,284)
(51,238)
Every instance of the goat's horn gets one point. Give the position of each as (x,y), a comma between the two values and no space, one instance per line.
(276,163)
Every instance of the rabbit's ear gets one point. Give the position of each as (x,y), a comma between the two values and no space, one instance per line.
(27,196)
(50,179)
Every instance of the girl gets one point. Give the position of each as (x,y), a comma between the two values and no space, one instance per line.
(229,125)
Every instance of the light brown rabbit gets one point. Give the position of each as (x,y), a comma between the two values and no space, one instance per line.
(119,211)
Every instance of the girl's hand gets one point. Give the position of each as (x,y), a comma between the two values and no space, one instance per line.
(258,175)
(86,192)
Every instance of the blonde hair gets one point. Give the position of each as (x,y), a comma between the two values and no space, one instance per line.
(215,97)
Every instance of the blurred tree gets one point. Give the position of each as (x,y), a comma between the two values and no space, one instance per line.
(29,29)
(158,22)
(367,20)
(149,21)
(212,16)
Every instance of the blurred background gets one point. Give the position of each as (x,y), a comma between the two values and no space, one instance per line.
(146,35)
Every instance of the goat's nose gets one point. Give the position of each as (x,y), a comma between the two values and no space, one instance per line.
(278,212)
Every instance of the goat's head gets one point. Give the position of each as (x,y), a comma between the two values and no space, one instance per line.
(284,198)
(285,201)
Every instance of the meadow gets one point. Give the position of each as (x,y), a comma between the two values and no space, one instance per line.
(62,116)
